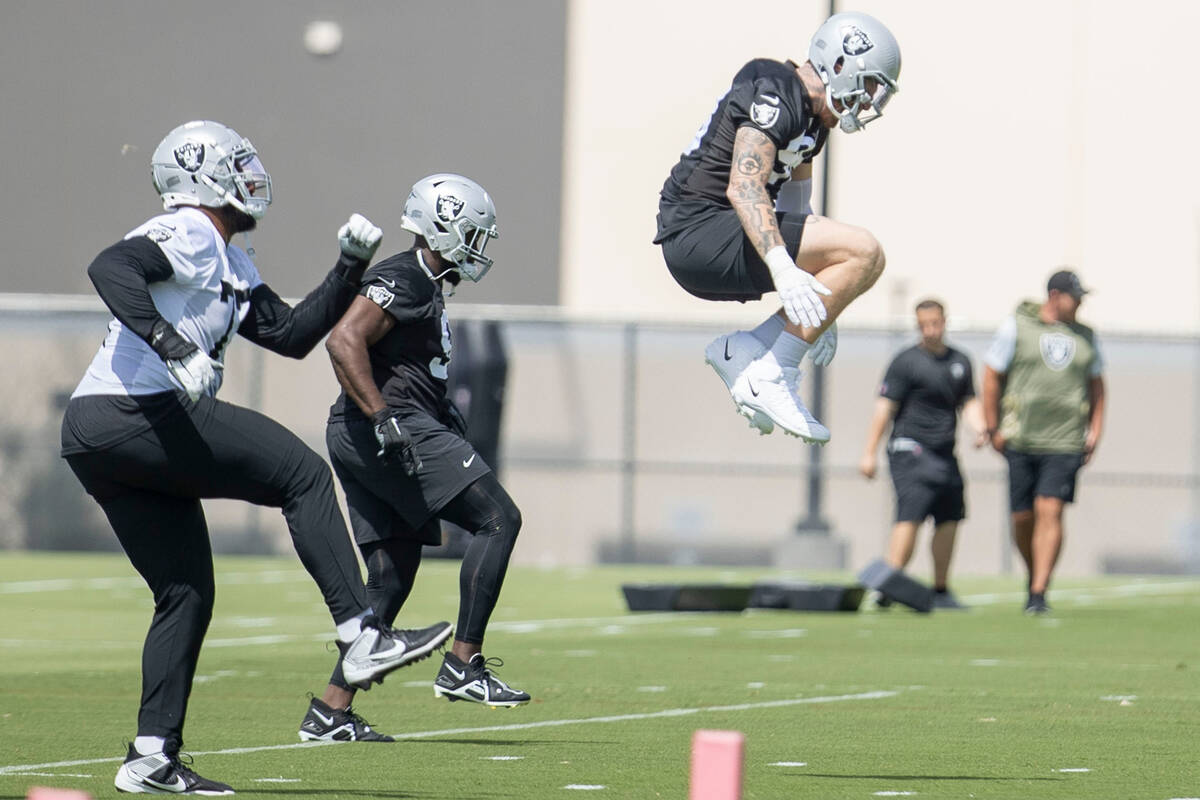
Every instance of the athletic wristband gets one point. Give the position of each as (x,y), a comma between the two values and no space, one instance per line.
(350,269)
(778,261)
(167,342)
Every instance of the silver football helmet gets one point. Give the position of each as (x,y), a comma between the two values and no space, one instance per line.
(859,61)
(205,163)
(456,217)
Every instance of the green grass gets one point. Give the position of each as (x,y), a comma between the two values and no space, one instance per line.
(984,704)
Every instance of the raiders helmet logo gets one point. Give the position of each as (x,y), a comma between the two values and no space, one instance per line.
(380,296)
(956,371)
(855,41)
(764,112)
(190,156)
(159,235)
(1058,350)
(448,207)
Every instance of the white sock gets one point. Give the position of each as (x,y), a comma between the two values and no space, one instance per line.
(768,330)
(349,630)
(789,349)
(148,745)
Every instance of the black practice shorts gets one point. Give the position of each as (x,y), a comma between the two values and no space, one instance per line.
(927,484)
(1040,475)
(384,502)
(714,260)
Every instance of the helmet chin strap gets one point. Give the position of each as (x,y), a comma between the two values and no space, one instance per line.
(440,275)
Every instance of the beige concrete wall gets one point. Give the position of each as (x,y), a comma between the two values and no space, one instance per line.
(1026,135)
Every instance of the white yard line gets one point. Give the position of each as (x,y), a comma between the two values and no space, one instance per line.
(1119,590)
(520,726)
(75,584)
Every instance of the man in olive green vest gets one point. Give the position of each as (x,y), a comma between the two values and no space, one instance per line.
(1043,401)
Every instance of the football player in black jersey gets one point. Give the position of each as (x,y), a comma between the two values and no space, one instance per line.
(148,439)
(735,219)
(923,390)
(397,442)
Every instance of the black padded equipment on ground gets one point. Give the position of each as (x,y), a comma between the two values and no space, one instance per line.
(894,584)
(685,597)
(801,596)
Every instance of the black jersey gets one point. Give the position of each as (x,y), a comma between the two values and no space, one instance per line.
(409,363)
(767,95)
(930,389)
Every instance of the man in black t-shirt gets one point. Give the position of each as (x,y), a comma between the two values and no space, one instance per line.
(735,220)
(923,389)
(397,442)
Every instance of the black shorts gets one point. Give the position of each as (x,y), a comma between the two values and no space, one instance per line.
(1040,475)
(384,502)
(714,260)
(927,484)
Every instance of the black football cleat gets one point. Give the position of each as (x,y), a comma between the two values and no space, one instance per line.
(164,773)
(475,681)
(325,724)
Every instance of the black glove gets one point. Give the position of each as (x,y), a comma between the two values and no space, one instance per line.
(395,444)
(457,423)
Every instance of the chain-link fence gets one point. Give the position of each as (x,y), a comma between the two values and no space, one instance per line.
(619,444)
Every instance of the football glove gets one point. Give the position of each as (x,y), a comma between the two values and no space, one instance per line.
(395,443)
(197,373)
(359,238)
(825,347)
(799,292)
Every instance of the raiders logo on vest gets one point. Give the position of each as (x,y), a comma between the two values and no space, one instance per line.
(1057,350)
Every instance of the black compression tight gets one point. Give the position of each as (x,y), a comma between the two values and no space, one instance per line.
(483,508)
(486,510)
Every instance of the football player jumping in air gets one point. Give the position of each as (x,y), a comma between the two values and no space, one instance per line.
(735,219)
(147,438)
(397,442)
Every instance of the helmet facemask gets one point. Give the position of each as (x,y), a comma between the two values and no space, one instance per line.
(467,254)
(860,105)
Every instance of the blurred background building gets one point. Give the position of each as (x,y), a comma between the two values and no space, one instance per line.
(1031,135)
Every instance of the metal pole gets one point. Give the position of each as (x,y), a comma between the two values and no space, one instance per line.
(629,444)
(815,522)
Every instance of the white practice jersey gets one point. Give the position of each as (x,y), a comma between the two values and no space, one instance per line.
(205,300)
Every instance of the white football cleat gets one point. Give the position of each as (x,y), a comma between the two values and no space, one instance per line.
(728,355)
(766,388)
(381,649)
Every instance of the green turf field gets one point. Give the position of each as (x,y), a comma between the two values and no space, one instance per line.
(1100,700)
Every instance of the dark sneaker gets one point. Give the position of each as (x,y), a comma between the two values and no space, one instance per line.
(164,773)
(476,682)
(323,723)
(1036,605)
(882,601)
(380,649)
(945,599)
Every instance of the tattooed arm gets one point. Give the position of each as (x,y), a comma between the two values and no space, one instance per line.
(753,162)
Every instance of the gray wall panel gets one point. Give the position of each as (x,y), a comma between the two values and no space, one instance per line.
(90,88)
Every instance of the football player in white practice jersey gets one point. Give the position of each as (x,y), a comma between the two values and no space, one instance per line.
(735,219)
(147,438)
